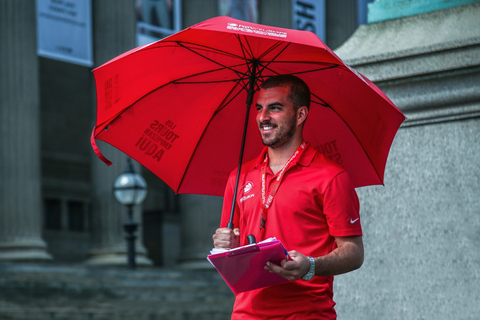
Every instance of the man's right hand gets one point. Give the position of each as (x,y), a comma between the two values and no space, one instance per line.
(226,238)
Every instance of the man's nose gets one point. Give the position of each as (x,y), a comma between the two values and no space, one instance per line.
(263,115)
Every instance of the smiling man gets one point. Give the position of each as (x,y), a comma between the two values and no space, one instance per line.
(297,195)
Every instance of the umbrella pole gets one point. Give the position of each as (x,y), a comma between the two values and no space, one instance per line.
(250,92)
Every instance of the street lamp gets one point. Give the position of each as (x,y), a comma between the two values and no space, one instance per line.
(130,189)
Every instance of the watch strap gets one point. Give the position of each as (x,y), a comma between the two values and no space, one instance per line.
(311,271)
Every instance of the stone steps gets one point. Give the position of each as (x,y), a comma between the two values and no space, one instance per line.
(29,292)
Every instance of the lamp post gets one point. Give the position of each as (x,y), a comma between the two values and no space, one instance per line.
(130,189)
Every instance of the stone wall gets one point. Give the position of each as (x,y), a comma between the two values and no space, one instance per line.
(422,229)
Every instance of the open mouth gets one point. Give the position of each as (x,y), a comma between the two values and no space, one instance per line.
(267,127)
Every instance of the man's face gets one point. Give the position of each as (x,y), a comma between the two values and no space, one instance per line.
(276,117)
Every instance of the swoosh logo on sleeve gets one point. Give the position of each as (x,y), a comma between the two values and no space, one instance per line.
(353,221)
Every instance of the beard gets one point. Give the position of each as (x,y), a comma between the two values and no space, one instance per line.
(281,137)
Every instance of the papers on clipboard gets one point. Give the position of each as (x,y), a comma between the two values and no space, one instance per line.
(242,268)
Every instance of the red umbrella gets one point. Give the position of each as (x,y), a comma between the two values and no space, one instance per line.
(178,106)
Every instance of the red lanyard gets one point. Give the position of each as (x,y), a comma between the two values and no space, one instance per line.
(266,202)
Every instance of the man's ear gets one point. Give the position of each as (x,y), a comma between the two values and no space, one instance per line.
(302,114)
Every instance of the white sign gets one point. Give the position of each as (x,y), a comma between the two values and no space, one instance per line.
(64,30)
(309,15)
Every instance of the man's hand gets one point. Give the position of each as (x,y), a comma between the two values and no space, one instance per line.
(348,256)
(291,269)
(226,238)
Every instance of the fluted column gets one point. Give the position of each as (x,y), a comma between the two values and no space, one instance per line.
(114,33)
(20,188)
(108,237)
(200,218)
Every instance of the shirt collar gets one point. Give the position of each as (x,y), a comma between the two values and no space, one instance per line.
(305,158)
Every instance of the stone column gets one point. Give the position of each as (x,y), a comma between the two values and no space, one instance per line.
(20,188)
(108,238)
(200,218)
(341,20)
(114,34)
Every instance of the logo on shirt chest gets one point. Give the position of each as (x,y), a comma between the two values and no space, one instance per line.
(247,187)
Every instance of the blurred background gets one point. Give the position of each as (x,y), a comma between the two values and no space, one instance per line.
(63,253)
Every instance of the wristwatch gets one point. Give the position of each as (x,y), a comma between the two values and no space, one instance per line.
(311,271)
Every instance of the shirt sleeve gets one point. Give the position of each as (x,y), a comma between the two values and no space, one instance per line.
(342,208)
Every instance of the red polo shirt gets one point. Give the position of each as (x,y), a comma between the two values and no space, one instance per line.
(314,203)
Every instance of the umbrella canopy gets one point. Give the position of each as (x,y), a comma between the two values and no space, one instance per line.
(179,106)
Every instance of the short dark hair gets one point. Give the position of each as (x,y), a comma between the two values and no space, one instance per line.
(299,91)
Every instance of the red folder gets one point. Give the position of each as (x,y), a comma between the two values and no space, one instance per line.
(242,268)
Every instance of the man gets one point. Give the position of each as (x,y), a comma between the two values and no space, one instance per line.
(297,195)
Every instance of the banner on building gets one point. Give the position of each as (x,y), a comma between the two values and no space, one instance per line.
(309,15)
(64,30)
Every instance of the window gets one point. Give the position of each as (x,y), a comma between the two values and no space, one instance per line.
(53,214)
(246,10)
(157,19)
(76,216)
(66,215)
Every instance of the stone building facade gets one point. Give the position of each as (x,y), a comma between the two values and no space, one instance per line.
(421,230)
(57,201)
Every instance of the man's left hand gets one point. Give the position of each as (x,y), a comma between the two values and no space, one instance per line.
(292,269)
(348,256)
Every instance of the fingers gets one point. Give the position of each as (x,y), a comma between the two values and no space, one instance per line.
(226,238)
(287,269)
(290,269)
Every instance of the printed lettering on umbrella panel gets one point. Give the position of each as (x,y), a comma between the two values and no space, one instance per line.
(330,151)
(157,138)
(112,91)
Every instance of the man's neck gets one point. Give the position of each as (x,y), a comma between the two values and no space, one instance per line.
(277,157)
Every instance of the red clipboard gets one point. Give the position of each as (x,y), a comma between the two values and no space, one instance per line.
(242,268)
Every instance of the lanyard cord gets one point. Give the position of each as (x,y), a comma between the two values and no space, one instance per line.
(267,202)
